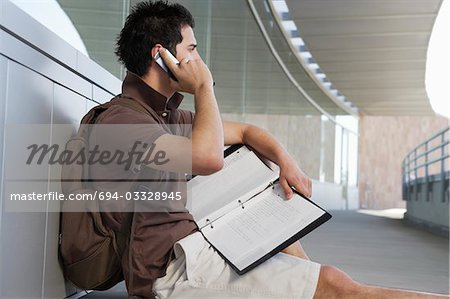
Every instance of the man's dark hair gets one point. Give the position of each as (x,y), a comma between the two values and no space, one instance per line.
(150,23)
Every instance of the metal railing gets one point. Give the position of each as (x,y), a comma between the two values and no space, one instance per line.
(414,170)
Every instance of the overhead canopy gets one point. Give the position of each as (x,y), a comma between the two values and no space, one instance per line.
(373,51)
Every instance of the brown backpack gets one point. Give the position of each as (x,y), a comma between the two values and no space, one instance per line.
(89,251)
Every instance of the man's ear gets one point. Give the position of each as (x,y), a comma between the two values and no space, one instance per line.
(156,49)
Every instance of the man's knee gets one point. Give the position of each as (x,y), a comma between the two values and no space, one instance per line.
(334,283)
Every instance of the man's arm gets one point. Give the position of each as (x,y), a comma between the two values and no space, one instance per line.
(203,152)
(266,144)
(290,174)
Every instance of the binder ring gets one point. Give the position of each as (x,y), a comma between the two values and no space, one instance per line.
(210,223)
(241,203)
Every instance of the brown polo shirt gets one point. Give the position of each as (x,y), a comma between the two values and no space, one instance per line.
(154,233)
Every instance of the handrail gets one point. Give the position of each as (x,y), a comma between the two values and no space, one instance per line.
(433,149)
(433,161)
(443,131)
(410,166)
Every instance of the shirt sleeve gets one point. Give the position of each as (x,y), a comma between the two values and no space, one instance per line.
(124,136)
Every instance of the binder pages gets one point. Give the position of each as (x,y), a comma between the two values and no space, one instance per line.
(243,213)
(211,196)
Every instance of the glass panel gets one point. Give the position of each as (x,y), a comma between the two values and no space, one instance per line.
(327,154)
(99,22)
(353,160)
(248,78)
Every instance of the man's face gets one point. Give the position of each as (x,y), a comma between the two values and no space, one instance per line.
(188,46)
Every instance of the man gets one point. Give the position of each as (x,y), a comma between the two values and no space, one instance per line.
(166,255)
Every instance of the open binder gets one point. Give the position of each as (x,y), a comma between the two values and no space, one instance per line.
(243,213)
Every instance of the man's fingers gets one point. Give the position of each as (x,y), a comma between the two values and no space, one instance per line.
(287,190)
(306,189)
(192,74)
(303,186)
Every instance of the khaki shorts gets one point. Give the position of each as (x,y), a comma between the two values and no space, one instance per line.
(199,272)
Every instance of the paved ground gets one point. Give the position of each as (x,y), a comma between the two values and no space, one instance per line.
(372,249)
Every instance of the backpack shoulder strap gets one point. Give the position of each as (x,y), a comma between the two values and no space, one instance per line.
(120,100)
(90,118)
(129,102)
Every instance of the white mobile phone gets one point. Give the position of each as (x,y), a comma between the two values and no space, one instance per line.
(160,62)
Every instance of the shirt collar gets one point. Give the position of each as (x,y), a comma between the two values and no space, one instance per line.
(134,87)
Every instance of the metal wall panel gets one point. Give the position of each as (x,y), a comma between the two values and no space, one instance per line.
(48,82)
(68,109)
(100,95)
(1,11)
(90,104)
(3,70)
(17,21)
(37,34)
(16,50)
(94,71)
(29,100)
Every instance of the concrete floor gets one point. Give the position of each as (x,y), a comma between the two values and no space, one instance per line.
(371,249)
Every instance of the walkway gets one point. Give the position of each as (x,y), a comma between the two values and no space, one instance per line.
(371,249)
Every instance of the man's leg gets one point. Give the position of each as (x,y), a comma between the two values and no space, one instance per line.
(297,250)
(334,283)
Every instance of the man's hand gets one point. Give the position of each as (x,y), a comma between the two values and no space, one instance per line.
(292,175)
(265,144)
(202,152)
(193,75)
